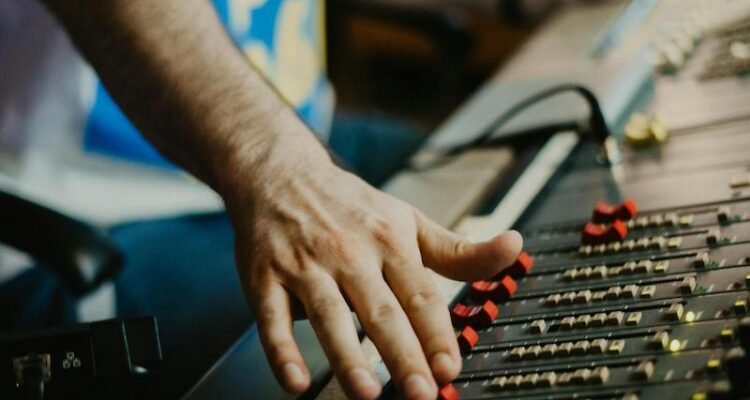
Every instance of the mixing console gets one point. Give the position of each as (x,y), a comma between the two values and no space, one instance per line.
(634,280)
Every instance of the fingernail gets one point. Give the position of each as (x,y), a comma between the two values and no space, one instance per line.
(443,365)
(416,387)
(515,236)
(514,233)
(364,383)
(294,376)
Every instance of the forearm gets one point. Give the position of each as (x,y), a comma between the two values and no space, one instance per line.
(178,77)
(303,229)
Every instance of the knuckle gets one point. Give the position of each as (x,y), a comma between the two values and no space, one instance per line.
(295,269)
(292,277)
(423,298)
(380,227)
(458,246)
(323,308)
(407,362)
(353,272)
(276,348)
(342,245)
(383,313)
(266,315)
(388,234)
(348,256)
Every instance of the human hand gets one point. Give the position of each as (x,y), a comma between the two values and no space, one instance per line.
(319,234)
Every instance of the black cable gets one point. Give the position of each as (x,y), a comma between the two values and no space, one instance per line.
(597,127)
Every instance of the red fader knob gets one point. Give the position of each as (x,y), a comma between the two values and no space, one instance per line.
(467,339)
(606,213)
(594,234)
(448,392)
(520,268)
(475,316)
(497,291)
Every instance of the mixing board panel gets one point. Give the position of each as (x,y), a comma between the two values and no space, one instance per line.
(634,280)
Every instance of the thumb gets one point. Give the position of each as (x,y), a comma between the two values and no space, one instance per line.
(456,258)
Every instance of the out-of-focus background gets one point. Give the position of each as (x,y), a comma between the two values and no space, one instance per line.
(418,60)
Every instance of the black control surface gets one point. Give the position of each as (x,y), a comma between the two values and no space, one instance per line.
(635,279)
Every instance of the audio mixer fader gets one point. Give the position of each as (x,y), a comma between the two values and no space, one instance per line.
(655,311)
(634,282)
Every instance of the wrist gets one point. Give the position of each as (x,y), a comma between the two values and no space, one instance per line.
(259,164)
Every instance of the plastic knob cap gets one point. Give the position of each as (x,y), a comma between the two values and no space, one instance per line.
(475,316)
(467,339)
(606,213)
(520,268)
(594,234)
(497,291)
(448,392)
